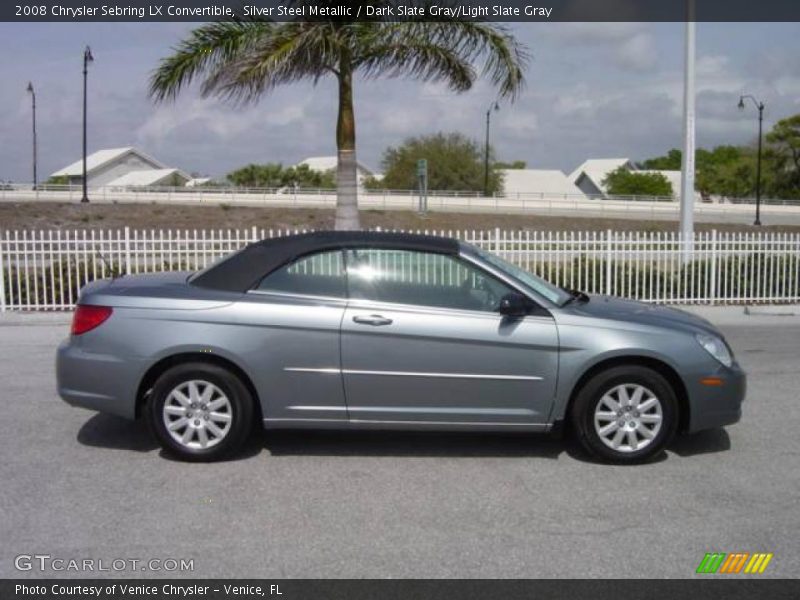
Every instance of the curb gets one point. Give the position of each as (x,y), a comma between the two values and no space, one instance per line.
(779,310)
(12,318)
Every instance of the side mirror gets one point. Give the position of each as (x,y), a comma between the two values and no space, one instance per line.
(514,304)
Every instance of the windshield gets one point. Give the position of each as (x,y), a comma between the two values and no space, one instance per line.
(544,288)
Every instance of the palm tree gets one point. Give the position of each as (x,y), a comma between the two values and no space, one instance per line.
(241,60)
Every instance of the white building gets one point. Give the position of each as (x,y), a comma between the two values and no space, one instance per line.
(323,164)
(198,181)
(590,175)
(545,182)
(151,177)
(122,167)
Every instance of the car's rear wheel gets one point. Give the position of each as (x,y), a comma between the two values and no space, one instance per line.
(200,412)
(626,414)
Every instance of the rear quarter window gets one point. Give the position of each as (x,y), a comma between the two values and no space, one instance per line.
(320,274)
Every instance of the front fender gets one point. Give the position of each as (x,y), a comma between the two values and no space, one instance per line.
(581,353)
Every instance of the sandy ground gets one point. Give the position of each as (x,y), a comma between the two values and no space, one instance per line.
(41,215)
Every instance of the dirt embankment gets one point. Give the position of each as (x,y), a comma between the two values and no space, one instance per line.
(26,216)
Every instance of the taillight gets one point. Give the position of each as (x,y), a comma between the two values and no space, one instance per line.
(87,317)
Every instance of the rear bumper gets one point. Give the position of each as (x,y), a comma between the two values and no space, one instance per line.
(98,382)
(717,405)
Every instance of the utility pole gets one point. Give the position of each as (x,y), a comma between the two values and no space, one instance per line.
(422,184)
(33,105)
(87,58)
(688,159)
(494,106)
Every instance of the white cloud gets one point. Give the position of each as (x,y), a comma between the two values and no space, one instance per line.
(637,53)
(629,46)
(220,120)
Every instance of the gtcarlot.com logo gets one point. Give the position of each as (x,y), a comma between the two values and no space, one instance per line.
(46,562)
(734,563)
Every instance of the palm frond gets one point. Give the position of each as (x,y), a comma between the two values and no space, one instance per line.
(505,58)
(421,60)
(292,52)
(207,50)
(450,47)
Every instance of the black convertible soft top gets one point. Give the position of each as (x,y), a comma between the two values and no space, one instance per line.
(244,269)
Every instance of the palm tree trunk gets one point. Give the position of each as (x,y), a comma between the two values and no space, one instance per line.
(346,181)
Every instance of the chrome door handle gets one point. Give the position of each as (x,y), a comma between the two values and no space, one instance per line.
(374,320)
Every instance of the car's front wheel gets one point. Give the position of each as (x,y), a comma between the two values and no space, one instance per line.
(626,414)
(200,412)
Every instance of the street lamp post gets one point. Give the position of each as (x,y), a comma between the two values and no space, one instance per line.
(760,107)
(32,92)
(87,58)
(494,106)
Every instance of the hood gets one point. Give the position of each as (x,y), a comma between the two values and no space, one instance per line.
(633,311)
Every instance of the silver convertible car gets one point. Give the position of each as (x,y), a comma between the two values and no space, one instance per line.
(354,330)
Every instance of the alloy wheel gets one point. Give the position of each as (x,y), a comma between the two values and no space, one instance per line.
(197,414)
(628,417)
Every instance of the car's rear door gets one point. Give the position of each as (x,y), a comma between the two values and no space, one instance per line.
(291,322)
(422,343)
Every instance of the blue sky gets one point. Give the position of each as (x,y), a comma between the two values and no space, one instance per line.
(594,90)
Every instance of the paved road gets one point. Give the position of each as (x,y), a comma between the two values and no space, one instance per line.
(75,485)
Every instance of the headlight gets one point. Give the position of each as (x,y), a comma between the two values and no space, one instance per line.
(715,347)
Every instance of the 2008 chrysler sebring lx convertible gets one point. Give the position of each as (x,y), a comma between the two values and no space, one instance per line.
(351,330)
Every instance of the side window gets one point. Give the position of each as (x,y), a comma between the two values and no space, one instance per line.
(421,278)
(319,274)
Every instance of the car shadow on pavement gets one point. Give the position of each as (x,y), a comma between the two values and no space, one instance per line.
(702,442)
(108,431)
(684,445)
(411,443)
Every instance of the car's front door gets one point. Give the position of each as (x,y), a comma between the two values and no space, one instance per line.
(422,342)
(290,326)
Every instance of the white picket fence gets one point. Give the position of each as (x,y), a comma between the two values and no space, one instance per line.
(45,270)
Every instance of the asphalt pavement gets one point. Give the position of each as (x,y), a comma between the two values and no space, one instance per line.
(77,485)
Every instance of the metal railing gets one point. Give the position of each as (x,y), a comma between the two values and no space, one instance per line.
(45,270)
(12,190)
(539,204)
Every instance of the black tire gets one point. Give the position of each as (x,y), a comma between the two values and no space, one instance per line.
(240,409)
(591,394)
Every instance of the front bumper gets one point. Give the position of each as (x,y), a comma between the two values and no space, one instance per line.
(99,382)
(717,405)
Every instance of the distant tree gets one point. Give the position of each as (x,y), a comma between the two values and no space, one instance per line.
(274,175)
(783,158)
(455,163)
(58,180)
(785,138)
(670,162)
(304,176)
(720,171)
(725,171)
(252,175)
(517,164)
(212,183)
(623,182)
